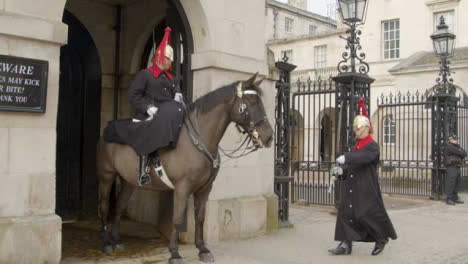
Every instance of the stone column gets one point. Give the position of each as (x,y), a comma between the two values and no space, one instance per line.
(30,231)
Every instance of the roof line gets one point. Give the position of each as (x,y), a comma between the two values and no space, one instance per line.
(303,12)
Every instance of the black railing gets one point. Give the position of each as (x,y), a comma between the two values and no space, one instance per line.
(312,135)
(403,130)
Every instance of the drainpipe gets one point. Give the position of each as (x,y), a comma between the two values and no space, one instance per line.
(117,60)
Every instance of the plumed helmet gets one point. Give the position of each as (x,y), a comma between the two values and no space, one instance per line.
(362,119)
(169,53)
(164,49)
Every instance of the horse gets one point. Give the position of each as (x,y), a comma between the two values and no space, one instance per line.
(191,166)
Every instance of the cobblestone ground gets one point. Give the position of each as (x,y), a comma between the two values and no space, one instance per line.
(428,232)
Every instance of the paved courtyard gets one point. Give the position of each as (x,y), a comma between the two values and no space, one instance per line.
(428,232)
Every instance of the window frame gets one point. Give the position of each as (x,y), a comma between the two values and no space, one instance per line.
(323,56)
(290,27)
(436,17)
(396,40)
(391,129)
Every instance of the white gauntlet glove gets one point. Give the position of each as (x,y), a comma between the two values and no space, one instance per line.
(340,160)
(179,98)
(152,110)
(337,171)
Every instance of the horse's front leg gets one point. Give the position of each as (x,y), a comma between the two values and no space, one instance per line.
(181,195)
(200,199)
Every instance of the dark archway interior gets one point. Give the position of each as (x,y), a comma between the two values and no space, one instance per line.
(78,122)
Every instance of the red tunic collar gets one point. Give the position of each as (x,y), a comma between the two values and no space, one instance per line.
(157,71)
(363,142)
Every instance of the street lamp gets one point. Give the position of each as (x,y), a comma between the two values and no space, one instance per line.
(353,13)
(444,46)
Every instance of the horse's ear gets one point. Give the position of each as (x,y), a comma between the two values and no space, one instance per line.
(257,83)
(251,81)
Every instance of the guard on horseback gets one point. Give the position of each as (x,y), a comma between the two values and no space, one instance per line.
(159,105)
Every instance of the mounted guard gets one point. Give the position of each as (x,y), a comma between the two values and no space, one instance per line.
(159,106)
(361,215)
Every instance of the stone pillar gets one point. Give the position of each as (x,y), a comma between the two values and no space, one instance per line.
(30,232)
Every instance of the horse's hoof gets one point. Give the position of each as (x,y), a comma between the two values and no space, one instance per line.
(119,247)
(107,249)
(206,257)
(176,261)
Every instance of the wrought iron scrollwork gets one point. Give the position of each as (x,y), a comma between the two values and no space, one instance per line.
(445,73)
(353,47)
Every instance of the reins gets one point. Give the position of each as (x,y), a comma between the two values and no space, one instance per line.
(251,133)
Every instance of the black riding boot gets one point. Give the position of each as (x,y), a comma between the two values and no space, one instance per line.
(379,246)
(144,177)
(156,163)
(344,248)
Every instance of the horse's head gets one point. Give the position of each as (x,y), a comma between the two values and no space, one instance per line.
(248,112)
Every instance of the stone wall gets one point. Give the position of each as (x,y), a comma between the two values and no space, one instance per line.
(27,140)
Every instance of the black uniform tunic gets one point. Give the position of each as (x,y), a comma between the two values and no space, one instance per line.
(163,130)
(362,215)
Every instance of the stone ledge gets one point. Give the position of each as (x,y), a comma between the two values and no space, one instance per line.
(39,236)
(33,28)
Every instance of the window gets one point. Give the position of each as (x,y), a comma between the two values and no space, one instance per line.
(448,16)
(312,29)
(288,25)
(389,130)
(289,54)
(320,56)
(391,37)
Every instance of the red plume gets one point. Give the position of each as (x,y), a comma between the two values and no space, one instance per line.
(363,111)
(161,50)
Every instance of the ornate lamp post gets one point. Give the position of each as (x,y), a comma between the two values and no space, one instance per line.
(444,46)
(353,13)
(352,81)
(445,103)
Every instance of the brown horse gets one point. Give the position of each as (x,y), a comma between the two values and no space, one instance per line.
(191,167)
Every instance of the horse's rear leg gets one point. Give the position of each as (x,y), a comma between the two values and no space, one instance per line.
(180,203)
(200,199)
(122,203)
(105,185)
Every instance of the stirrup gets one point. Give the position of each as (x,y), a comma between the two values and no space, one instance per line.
(144,176)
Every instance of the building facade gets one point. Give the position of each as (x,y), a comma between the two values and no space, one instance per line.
(397,45)
(93,50)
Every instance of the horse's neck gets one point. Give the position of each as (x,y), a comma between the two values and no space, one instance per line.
(211,126)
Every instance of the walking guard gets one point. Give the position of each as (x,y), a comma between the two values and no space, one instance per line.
(361,215)
(159,106)
(454,156)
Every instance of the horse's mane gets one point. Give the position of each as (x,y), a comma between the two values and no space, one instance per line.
(220,95)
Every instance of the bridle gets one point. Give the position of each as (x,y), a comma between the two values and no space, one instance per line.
(251,131)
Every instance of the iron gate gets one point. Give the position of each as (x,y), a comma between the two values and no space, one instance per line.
(313,137)
(412,130)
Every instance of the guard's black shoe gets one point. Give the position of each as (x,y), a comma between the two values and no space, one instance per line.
(450,202)
(144,177)
(459,201)
(379,246)
(344,248)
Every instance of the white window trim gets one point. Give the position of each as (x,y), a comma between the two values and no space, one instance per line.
(383,131)
(316,48)
(291,26)
(382,42)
